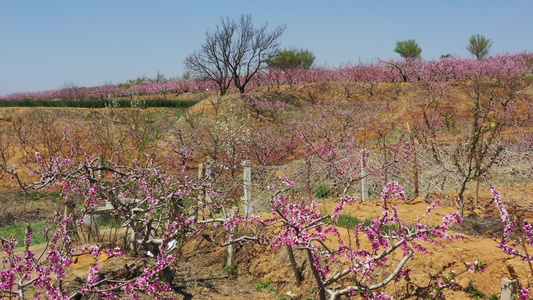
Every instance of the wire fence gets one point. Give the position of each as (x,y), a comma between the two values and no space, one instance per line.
(419,173)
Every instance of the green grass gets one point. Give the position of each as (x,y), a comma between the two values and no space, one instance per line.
(38,196)
(349,221)
(264,284)
(99,103)
(18,230)
(322,191)
(108,220)
(473,291)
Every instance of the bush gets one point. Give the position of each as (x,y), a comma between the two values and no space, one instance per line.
(349,221)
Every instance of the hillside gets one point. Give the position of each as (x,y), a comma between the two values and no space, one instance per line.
(316,135)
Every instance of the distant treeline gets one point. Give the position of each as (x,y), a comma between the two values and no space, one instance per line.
(99,103)
(498,67)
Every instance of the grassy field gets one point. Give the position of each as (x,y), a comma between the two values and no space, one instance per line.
(18,231)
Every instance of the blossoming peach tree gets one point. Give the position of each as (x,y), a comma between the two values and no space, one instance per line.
(156,208)
(338,267)
(518,233)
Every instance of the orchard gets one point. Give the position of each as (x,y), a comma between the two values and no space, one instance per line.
(452,136)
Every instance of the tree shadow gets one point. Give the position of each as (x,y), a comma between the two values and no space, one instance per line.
(415,291)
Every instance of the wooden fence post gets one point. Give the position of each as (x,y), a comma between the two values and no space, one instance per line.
(247,177)
(200,208)
(208,174)
(208,198)
(364,179)
(415,162)
(385,163)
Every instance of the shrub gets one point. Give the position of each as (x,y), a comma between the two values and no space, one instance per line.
(322,191)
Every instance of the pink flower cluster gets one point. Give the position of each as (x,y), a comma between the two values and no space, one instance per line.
(476,267)
(511,228)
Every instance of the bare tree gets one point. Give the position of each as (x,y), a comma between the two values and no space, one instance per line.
(479,149)
(234,52)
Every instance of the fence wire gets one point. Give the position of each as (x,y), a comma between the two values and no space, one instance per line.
(512,175)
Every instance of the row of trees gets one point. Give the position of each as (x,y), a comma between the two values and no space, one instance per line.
(235,52)
(234,55)
(478,45)
(132,90)
(510,65)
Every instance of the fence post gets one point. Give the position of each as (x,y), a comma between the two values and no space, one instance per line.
(208,199)
(385,162)
(415,172)
(100,165)
(69,208)
(99,173)
(201,172)
(509,289)
(247,177)
(208,174)
(415,161)
(201,176)
(364,180)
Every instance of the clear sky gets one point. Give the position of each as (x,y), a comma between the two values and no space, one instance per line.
(50,44)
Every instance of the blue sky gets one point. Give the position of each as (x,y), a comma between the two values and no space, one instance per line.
(50,44)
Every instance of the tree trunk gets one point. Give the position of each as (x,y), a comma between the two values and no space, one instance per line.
(294,265)
(232,254)
(321,291)
(461,199)
(476,195)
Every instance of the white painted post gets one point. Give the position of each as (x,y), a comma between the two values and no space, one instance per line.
(201,173)
(100,165)
(364,180)
(99,174)
(509,289)
(247,177)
